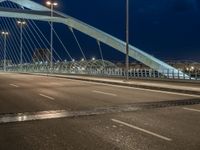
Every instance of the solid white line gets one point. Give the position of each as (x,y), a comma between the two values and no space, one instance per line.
(143,130)
(51,98)
(100,92)
(191,109)
(14,85)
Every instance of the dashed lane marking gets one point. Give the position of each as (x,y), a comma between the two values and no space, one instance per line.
(104,93)
(14,85)
(48,97)
(191,109)
(142,130)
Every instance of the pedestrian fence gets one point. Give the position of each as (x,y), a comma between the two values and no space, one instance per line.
(106,72)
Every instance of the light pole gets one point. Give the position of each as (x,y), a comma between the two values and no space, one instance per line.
(5,34)
(127,39)
(21,23)
(51,4)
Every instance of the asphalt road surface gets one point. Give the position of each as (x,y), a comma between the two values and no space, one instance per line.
(47,113)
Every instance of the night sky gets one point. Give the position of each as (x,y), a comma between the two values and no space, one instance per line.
(166,29)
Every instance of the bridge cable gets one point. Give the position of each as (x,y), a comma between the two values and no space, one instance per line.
(101,53)
(63,45)
(6,25)
(33,43)
(71,29)
(16,33)
(38,43)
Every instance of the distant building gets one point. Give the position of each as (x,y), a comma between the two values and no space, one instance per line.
(41,55)
(185,65)
(181,65)
(132,65)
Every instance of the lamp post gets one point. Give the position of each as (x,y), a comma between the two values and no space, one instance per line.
(127,40)
(51,4)
(21,24)
(5,34)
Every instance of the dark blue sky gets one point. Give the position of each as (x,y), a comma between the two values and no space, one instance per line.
(167,29)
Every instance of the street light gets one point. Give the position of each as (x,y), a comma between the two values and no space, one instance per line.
(51,4)
(127,40)
(5,34)
(21,24)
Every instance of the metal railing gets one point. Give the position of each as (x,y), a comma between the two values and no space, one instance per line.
(105,72)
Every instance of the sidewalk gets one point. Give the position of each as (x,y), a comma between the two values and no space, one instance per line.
(172,86)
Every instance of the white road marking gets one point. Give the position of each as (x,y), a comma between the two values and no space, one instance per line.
(143,130)
(51,98)
(14,85)
(191,109)
(143,89)
(100,92)
(173,93)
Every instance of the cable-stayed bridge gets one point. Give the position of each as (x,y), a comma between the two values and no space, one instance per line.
(43,106)
(27,49)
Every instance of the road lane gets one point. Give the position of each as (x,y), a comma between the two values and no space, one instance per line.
(59,134)
(178,124)
(75,95)
(99,132)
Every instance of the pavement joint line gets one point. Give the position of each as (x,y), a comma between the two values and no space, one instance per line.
(22,117)
(14,85)
(191,109)
(142,130)
(105,93)
(51,98)
(56,114)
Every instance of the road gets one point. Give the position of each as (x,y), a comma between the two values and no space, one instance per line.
(40,112)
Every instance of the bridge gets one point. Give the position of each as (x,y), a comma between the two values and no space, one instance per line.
(26,9)
(50,100)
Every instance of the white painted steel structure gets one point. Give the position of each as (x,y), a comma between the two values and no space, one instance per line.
(40,12)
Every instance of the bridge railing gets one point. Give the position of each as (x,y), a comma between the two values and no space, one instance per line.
(106,72)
